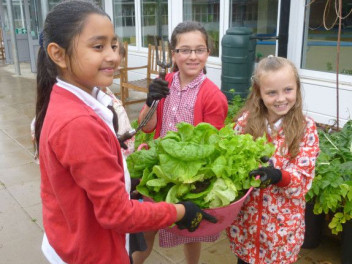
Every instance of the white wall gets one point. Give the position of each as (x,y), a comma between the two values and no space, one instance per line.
(320,100)
(319,94)
(319,88)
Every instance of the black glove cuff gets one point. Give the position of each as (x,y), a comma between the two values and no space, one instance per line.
(276,176)
(268,175)
(149,101)
(123,145)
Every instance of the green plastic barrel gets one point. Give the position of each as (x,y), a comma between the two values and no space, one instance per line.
(238,51)
(251,56)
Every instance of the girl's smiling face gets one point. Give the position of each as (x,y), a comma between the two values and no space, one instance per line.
(190,65)
(95,55)
(278,90)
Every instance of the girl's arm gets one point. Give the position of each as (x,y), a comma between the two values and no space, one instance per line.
(157,90)
(214,109)
(89,151)
(151,125)
(180,210)
(301,169)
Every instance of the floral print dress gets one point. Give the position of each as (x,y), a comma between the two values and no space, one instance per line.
(123,120)
(270,227)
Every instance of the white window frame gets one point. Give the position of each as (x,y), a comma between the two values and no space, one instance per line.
(294,49)
(174,18)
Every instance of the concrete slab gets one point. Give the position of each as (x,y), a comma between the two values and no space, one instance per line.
(26,194)
(20,175)
(9,145)
(15,158)
(19,235)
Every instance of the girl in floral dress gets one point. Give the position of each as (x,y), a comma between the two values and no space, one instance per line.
(270,227)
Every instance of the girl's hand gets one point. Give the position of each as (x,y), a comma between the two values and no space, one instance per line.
(268,175)
(157,90)
(193,217)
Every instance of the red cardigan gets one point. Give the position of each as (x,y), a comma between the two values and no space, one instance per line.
(86,209)
(210,107)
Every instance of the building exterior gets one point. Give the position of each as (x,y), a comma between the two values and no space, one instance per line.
(304,31)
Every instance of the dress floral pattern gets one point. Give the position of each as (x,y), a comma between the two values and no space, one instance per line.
(123,121)
(270,227)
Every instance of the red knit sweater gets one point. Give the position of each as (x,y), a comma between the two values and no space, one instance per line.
(211,106)
(86,209)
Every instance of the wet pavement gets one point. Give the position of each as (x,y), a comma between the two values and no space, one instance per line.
(21,227)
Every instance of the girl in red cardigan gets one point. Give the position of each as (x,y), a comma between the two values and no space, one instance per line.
(190,97)
(87,211)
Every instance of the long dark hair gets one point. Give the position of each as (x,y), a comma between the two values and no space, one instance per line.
(185,27)
(61,26)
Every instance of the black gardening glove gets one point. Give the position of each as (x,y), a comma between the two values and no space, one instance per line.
(268,175)
(134,194)
(157,90)
(193,216)
(122,144)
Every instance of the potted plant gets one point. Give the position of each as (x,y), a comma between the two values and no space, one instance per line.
(331,190)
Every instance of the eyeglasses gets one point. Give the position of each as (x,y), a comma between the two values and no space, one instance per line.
(188,52)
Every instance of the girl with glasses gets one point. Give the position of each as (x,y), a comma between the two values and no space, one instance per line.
(189,96)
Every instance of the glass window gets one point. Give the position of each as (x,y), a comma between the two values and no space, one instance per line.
(206,12)
(319,44)
(124,20)
(18,17)
(261,17)
(53,3)
(35,18)
(18,13)
(154,20)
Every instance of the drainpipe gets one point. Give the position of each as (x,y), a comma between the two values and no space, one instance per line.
(13,38)
(45,8)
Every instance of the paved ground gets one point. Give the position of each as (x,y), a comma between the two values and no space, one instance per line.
(21,226)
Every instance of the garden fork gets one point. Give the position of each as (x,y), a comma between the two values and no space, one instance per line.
(163,64)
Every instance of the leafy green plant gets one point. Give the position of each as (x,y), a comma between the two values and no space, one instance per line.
(259,56)
(207,166)
(347,71)
(332,186)
(234,106)
(141,137)
(329,66)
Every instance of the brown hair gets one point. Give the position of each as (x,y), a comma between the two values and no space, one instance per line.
(185,27)
(294,122)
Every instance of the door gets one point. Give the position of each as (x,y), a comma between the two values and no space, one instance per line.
(34,21)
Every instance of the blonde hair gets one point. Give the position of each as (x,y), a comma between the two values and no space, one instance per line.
(294,122)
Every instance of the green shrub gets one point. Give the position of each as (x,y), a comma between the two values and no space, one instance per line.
(331,190)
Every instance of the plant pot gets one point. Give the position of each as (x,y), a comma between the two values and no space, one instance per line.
(346,243)
(314,227)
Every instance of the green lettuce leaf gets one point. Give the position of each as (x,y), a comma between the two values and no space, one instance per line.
(223,193)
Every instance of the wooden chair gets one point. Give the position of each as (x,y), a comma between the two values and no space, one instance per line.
(2,47)
(140,85)
(124,60)
(123,63)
